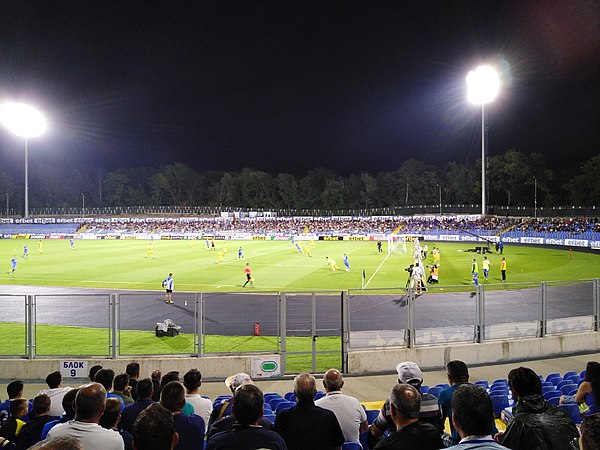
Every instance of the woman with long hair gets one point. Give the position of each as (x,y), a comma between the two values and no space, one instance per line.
(589,389)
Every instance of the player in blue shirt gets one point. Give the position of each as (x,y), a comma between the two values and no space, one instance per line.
(25,251)
(168,285)
(240,253)
(13,263)
(346,262)
(72,243)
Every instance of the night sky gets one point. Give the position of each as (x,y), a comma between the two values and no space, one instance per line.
(286,86)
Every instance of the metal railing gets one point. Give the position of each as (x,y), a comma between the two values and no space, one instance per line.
(311,330)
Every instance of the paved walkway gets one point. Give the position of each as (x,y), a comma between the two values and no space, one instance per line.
(377,388)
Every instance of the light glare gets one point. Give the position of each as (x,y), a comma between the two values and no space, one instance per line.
(22,120)
(483,85)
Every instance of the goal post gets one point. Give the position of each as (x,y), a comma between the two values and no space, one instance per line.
(396,243)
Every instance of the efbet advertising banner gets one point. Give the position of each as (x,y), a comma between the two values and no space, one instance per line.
(266,367)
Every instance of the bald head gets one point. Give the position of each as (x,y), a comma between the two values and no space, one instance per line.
(305,387)
(333,381)
(90,402)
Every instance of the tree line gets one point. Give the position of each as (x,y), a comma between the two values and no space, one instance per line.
(513,178)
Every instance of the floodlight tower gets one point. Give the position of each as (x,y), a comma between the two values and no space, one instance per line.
(483,85)
(24,121)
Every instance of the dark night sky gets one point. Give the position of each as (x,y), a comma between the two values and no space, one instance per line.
(285,86)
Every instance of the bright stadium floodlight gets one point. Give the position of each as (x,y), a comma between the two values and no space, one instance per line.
(24,121)
(483,85)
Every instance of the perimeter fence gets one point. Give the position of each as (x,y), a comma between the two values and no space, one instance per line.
(311,331)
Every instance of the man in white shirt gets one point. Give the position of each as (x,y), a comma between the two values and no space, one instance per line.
(348,410)
(89,406)
(56,392)
(192,381)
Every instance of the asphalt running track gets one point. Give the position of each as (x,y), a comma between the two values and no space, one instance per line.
(371,316)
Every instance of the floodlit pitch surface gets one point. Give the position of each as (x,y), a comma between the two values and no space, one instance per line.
(276,265)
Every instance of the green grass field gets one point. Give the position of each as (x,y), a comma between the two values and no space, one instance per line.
(276,265)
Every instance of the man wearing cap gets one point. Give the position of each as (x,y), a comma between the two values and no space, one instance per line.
(348,410)
(429,412)
(223,409)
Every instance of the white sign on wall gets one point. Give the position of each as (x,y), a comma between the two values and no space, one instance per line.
(266,367)
(74,369)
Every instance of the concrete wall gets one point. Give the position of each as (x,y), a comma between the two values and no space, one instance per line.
(359,362)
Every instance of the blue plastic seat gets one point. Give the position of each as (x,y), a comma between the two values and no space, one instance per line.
(435,391)
(371,415)
(424,389)
(568,388)
(276,401)
(500,381)
(563,383)
(288,395)
(554,400)
(443,385)
(551,393)
(351,446)
(483,383)
(569,373)
(500,402)
(319,394)
(573,410)
(271,417)
(284,405)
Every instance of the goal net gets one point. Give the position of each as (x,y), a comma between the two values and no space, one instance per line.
(397,244)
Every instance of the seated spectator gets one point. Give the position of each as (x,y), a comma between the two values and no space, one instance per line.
(535,423)
(11,427)
(590,433)
(348,410)
(192,381)
(246,433)
(106,378)
(14,389)
(122,389)
(59,443)
(110,420)
(93,371)
(173,375)
(589,390)
(408,373)
(224,408)
(473,418)
(90,402)
(156,377)
(32,431)
(67,403)
(56,393)
(133,370)
(306,426)
(154,429)
(131,412)
(405,404)
(458,375)
(190,428)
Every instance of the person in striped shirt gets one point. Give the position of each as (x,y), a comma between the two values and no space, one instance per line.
(168,285)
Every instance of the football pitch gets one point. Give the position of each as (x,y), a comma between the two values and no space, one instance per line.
(276,265)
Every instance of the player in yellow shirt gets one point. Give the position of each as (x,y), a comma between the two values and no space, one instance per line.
(40,246)
(503,269)
(485,266)
(150,252)
(331,263)
(220,257)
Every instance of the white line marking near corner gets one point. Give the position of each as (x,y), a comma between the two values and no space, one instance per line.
(376,270)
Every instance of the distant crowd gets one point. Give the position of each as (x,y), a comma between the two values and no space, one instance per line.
(345,225)
(163,412)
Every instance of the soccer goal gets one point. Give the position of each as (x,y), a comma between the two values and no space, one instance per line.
(396,243)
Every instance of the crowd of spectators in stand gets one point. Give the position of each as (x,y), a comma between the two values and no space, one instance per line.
(343,225)
(120,412)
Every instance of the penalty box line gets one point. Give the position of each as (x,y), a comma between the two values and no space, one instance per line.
(376,270)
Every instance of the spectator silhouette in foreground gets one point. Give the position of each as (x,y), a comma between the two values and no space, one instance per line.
(348,410)
(473,418)
(190,428)
(590,433)
(145,389)
(535,423)
(32,431)
(154,429)
(306,426)
(59,443)
(246,433)
(405,404)
(67,403)
(89,407)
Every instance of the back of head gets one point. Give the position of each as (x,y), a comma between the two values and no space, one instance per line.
(192,379)
(133,370)
(457,371)
(54,379)
(41,405)
(105,377)
(154,429)
(410,373)
(472,411)
(592,375)
(121,382)
(68,402)
(305,387)
(93,371)
(247,404)
(168,377)
(235,381)
(18,407)
(406,400)
(15,389)
(333,380)
(172,396)
(90,401)
(58,443)
(145,388)
(524,382)
(590,433)
(111,413)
